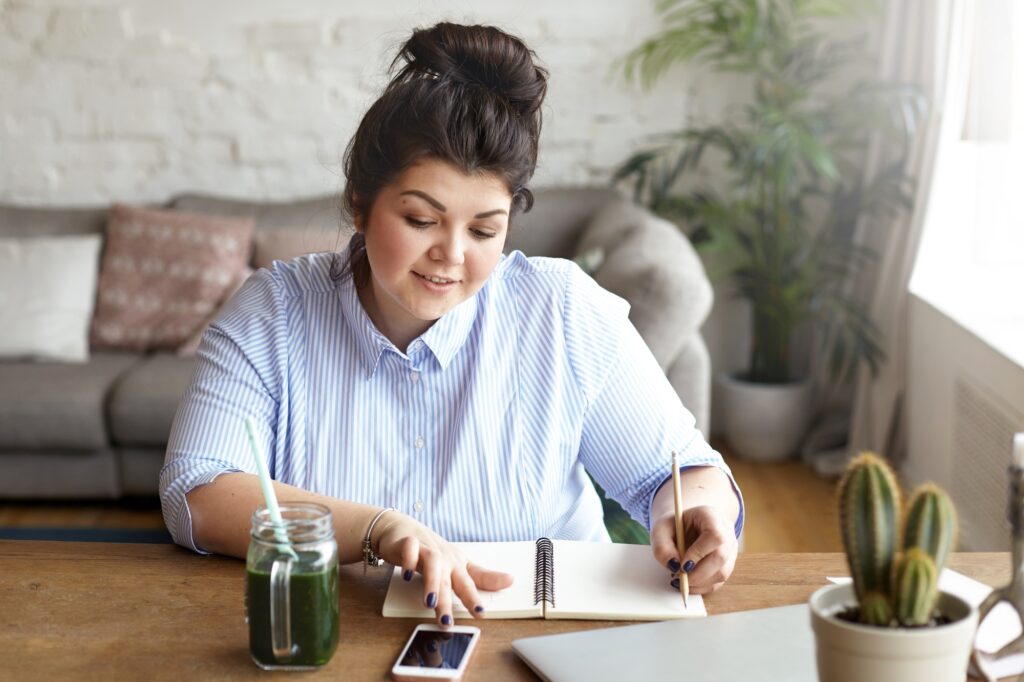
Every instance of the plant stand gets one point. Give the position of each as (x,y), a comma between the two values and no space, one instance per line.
(1013,593)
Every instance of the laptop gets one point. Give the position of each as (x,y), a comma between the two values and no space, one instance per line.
(769,645)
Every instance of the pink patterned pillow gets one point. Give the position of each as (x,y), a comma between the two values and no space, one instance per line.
(191,345)
(163,274)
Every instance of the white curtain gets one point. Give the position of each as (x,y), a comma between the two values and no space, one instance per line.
(926,42)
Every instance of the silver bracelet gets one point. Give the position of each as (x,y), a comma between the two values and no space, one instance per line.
(369,558)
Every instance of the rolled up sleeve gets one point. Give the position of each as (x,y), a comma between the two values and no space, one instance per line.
(231,381)
(634,419)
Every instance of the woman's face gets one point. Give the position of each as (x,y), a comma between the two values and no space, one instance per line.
(433,236)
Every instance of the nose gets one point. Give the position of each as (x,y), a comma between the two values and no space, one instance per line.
(449,248)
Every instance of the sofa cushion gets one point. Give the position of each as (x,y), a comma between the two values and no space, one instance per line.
(143,404)
(552,227)
(30,221)
(58,474)
(140,470)
(288,243)
(47,289)
(191,345)
(321,215)
(58,406)
(648,262)
(163,274)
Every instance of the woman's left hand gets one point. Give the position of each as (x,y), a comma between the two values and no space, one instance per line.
(711,546)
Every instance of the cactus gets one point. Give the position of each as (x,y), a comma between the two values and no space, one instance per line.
(931,523)
(915,587)
(869,502)
(890,588)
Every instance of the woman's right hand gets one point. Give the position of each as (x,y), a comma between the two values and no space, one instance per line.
(404,542)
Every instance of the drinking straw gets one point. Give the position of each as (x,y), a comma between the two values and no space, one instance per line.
(268,490)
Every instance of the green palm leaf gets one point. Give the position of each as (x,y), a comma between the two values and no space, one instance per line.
(782,224)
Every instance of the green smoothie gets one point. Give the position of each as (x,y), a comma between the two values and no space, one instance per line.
(314,617)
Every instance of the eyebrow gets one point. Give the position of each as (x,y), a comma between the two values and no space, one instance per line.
(441,207)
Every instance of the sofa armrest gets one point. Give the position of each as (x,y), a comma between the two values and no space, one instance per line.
(652,265)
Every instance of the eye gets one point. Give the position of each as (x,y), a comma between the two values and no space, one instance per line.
(418,224)
(482,234)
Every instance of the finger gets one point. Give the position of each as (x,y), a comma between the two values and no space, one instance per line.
(486,579)
(716,565)
(444,601)
(663,543)
(709,537)
(465,589)
(707,589)
(409,551)
(429,565)
(392,546)
(699,589)
(706,573)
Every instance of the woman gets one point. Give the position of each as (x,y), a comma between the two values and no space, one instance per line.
(421,369)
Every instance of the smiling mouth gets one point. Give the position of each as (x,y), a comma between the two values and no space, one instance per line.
(435,280)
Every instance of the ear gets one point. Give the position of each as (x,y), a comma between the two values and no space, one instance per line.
(358,215)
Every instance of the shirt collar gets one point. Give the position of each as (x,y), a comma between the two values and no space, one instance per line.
(370,342)
(444,338)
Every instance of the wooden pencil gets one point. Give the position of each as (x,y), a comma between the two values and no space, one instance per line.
(677,493)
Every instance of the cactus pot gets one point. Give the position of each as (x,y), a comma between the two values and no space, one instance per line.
(850,652)
(763,422)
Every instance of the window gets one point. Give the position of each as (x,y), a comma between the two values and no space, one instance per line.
(970,263)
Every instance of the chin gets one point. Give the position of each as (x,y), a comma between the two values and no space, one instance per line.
(431,315)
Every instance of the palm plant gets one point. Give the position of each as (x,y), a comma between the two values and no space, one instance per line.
(781,223)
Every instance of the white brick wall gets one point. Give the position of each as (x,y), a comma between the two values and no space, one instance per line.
(103,100)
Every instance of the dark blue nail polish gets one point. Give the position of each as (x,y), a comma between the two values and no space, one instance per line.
(431,647)
(673,565)
(446,619)
(407,576)
(478,608)
(688,566)
(675,583)
(431,600)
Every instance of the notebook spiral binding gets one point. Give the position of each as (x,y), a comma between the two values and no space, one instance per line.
(544,572)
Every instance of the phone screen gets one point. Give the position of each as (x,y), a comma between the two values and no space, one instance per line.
(435,649)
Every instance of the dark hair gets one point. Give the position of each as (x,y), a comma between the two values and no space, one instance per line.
(467,95)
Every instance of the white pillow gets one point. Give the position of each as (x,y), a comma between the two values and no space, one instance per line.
(47,289)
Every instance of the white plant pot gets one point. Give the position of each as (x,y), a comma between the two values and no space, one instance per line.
(764,422)
(850,652)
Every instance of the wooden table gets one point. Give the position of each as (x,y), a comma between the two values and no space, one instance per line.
(149,612)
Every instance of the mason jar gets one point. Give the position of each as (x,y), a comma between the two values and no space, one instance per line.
(291,588)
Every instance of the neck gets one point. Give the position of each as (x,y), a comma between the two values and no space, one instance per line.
(396,334)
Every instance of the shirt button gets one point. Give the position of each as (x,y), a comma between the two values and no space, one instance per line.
(418,506)
(414,376)
(418,442)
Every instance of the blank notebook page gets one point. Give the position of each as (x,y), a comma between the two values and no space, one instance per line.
(615,582)
(405,599)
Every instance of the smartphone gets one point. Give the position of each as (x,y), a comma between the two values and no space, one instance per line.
(436,653)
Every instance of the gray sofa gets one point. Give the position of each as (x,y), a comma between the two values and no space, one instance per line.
(98,429)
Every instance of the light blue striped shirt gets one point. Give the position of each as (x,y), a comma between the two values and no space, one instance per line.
(483,430)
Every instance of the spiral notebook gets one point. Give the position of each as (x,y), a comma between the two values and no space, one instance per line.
(560,579)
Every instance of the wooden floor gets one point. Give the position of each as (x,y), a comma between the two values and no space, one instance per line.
(788,509)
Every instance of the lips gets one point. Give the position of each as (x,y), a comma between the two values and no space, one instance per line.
(436,279)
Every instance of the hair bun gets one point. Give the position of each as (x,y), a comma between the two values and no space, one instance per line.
(475,55)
